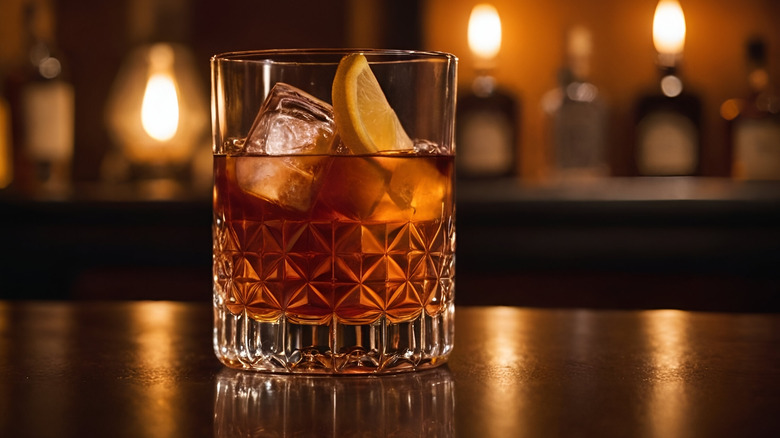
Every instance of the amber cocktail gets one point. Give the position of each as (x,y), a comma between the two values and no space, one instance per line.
(334,230)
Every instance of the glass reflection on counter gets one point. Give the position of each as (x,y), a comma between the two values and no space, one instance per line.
(415,404)
(153,324)
(670,354)
(510,357)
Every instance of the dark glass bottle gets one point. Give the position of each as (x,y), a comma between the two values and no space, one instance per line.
(486,131)
(754,121)
(667,139)
(42,106)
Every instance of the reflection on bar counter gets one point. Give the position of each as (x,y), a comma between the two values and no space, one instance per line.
(668,121)
(754,121)
(403,405)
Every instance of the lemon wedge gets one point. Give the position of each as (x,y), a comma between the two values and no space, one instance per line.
(364,119)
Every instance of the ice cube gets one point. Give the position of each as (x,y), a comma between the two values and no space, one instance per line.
(354,186)
(417,186)
(298,126)
(290,182)
(291,121)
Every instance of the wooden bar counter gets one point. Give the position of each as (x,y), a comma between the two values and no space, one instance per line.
(146,369)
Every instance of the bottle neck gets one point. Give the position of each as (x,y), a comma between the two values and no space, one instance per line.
(578,54)
(758,79)
(484,85)
(761,91)
(40,45)
(762,94)
(579,68)
(575,84)
(575,76)
(670,80)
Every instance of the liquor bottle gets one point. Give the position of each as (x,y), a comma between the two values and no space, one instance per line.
(667,139)
(486,135)
(42,110)
(754,121)
(487,116)
(577,116)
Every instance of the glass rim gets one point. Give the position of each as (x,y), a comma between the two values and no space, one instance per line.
(330,55)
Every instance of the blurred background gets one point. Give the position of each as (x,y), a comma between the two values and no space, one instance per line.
(88,215)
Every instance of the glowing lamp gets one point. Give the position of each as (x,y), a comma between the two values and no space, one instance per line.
(484,34)
(160,107)
(668,32)
(157,111)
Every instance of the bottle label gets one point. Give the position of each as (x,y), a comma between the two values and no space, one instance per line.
(48,120)
(667,145)
(486,144)
(580,136)
(757,149)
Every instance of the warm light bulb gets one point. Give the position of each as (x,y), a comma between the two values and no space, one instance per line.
(484,31)
(157,112)
(669,29)
(160,107)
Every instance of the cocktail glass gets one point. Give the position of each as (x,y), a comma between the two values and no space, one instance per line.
(334,226)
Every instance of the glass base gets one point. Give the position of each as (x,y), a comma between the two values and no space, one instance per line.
(333,348)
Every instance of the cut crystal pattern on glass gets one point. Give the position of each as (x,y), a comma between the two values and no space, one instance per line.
(360,298)
(395,265)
